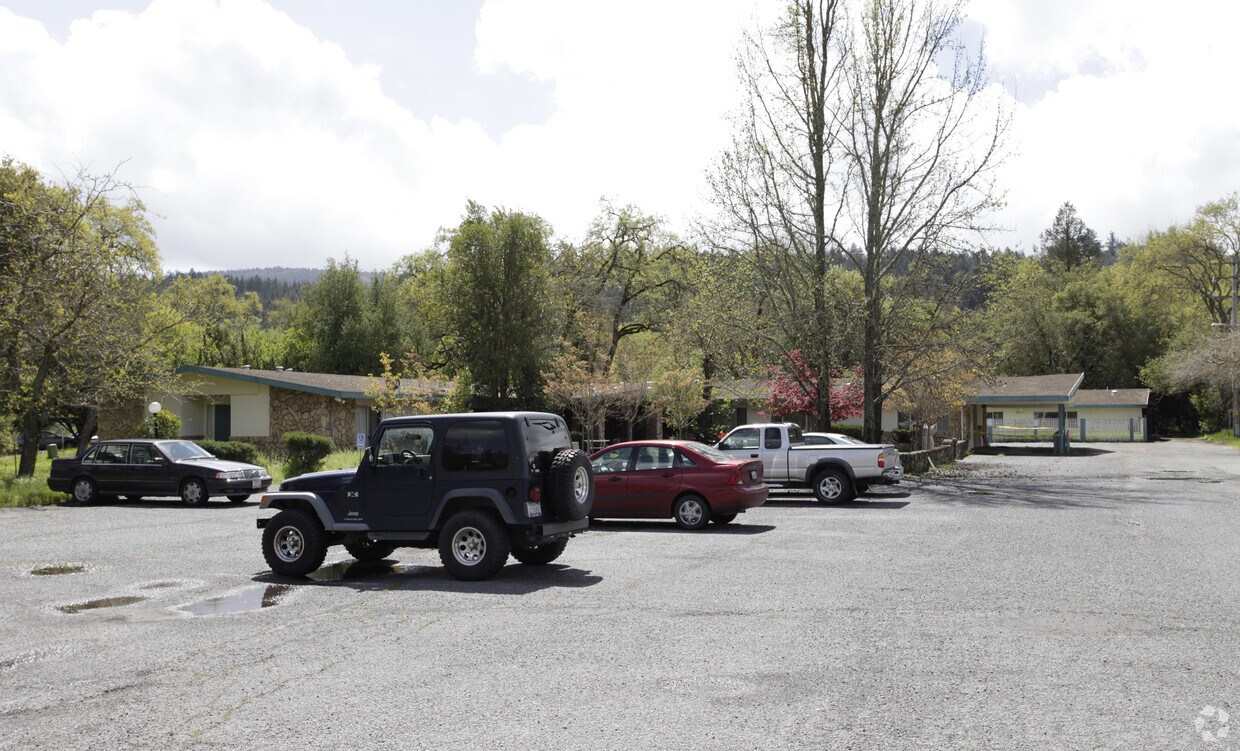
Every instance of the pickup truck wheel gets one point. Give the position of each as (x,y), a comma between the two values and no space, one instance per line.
(539,555)
(722,518)
(570,485)
(473,545)
(832,486)
(369,550)
(294,544)
(691,512)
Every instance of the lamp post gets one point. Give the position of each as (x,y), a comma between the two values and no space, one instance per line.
(154,408)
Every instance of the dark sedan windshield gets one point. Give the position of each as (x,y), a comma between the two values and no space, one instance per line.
(178,450)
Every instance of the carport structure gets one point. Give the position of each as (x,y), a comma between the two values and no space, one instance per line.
(1023,408)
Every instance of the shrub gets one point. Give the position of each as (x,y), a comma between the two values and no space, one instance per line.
(162,424)
(233,451)
(306,452)
(903,436)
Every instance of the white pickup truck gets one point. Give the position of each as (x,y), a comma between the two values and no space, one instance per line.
(835,472)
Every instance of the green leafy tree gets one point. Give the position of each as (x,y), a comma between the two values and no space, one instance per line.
(625,276)
(78,321)
(496,282)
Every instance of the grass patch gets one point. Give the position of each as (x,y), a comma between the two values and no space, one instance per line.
(29,491)
(1223,437)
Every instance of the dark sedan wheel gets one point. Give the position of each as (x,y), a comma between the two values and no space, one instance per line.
(294,544)
(84,490)
(691,512)
(194,492)
(722,518)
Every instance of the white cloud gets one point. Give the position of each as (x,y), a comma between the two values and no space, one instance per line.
(262,144)
(1136,124)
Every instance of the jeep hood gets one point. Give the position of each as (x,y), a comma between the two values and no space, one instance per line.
(315,481)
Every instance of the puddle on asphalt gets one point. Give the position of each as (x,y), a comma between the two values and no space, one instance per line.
(107,602)
(57,570)
(353,570)
(245,601)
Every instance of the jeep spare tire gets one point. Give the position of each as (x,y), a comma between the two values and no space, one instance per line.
(570,485)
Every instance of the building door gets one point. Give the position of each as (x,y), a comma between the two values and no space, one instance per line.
(223,422)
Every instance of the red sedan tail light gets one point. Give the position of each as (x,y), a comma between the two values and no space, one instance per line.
(736,476)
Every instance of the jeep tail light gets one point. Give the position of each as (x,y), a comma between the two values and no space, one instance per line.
(535,493)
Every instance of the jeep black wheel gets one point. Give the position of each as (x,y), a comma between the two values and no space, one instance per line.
(570,485)
(473,545)
(540,555)
(194,492)
(832,486)
(369,550)
(84,491)
(294,544)
(722,518)
(691,512)
(239,498)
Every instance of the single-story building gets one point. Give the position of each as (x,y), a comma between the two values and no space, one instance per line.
(1034,408)
(260,406)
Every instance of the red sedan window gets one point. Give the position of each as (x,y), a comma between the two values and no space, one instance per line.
(654,457)
(684,460)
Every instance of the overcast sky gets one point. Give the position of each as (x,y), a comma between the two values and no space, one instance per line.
(287,132)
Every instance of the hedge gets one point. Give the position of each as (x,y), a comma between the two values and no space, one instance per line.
(233,451)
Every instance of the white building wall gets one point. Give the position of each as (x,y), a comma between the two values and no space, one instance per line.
(251,412)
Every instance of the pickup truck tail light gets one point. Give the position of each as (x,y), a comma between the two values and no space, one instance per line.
(882,460)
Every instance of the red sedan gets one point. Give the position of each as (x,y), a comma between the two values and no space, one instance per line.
(688,481)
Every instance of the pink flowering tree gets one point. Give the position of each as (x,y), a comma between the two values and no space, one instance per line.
(794,388)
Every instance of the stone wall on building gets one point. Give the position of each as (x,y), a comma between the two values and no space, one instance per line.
(121,419)
(309,413)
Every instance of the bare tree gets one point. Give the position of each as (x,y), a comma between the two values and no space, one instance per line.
(776,187)
(921,148)
(852,141)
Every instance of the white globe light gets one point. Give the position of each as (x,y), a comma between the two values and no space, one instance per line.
(154,407)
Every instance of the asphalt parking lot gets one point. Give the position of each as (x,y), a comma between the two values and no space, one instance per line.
(1008,602)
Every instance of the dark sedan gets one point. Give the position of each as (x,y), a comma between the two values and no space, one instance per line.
(137,468)
(688,481)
